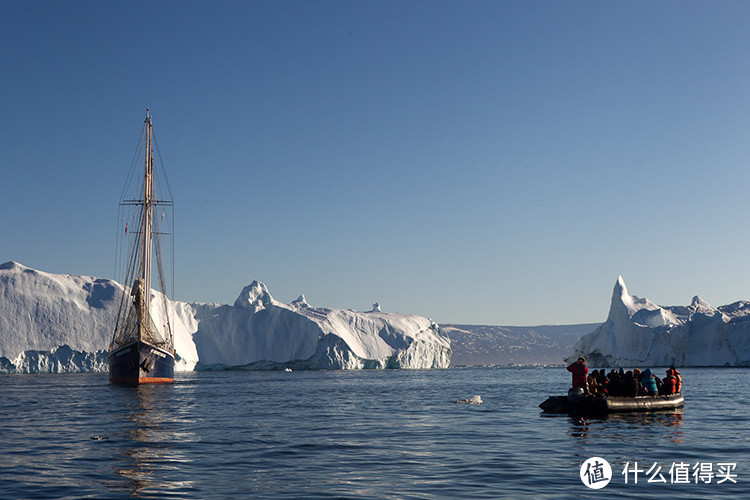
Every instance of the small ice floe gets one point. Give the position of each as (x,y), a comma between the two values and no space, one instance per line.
(98,438)
(476,399)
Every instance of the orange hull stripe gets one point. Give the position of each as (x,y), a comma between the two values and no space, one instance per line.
(155,380)
(141,380)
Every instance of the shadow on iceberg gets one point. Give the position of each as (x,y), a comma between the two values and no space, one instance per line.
(62,359)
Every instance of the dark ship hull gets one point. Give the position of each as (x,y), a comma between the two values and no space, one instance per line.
(140,363)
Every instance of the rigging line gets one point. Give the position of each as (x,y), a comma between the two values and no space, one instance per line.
(121,241)
(157,252)
(121,247)
(172,236)
(167,335)
(133,251)
(161,165)
(118,221)
(170,225)
(134,162)
(123,313)
(172,263)
(120,244)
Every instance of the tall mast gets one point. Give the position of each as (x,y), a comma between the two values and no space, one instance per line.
(147,222)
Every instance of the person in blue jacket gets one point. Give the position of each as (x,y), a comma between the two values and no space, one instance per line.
(648,382)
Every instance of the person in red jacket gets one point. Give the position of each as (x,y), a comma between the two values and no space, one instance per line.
(579,371)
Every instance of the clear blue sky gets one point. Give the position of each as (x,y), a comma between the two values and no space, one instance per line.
(480,162)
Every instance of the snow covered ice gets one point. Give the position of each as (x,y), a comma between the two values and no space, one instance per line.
(63,323)
(58,323)
(639,332)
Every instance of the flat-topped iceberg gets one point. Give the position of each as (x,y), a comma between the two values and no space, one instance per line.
(63,323)
(639,332)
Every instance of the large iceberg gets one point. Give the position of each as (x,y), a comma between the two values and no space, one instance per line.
(639,332)
(61,323)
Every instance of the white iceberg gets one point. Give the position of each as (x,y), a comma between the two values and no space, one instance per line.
(259,331)
(639,332)
(62,323)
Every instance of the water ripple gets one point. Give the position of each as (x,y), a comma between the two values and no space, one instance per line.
(369,434)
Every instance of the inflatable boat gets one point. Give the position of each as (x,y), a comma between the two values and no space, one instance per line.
(588,404)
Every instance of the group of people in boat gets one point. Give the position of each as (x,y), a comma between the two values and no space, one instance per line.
(619,382)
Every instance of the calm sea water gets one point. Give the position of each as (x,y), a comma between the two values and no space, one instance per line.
(356,434)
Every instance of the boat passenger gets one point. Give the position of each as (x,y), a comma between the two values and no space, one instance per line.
(614,386)
(603,383)
(579,371)
(593,382)
(648,382)
(670,385)
(630,385)
(659,383)
(678,379)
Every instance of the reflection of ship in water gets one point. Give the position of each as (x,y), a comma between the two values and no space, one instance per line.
(671,419)
(151,463)
(581,426)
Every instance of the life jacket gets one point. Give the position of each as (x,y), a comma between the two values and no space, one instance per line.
(670,385)
(677,377)
(593,386)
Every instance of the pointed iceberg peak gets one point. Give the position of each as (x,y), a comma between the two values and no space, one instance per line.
(301,301)
(255,297)
(620,288)
(621,298)
(625,305)
(701,306)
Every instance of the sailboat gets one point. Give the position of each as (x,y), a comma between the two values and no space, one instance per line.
(142,348)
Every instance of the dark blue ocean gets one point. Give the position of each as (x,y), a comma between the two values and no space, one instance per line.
(361,434)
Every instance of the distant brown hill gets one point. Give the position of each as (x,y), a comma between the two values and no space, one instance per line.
(503,345)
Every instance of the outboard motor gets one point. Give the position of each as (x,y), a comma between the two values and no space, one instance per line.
(576,393)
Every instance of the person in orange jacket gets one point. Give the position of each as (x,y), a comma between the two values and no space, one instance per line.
(670,384)
(673,371)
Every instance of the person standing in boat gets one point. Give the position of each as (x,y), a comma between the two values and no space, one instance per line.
(579,371)
(678,379)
